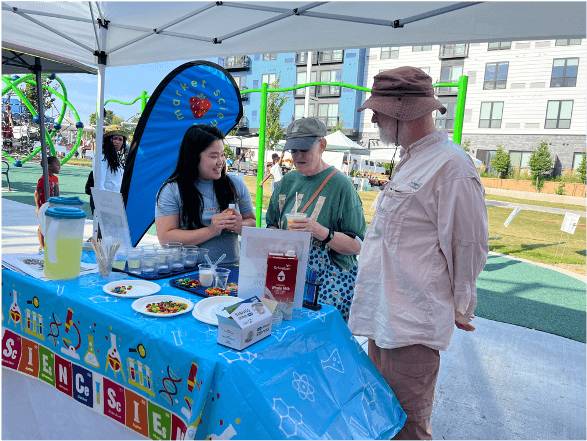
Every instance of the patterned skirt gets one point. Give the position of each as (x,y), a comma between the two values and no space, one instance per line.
(337,285)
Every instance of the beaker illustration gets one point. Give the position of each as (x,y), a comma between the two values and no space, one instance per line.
(15,314)
(113,359)
(90,357)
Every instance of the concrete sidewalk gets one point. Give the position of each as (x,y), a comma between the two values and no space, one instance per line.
(540,208)
(499,382)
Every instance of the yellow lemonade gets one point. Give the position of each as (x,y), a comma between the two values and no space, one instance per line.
(119,264)
(67,265)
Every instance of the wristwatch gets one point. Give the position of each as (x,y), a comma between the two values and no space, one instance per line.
(329,237)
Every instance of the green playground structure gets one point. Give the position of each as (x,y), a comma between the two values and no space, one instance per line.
(11,85)
(461,84)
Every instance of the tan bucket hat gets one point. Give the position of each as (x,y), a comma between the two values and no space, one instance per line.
(404,93)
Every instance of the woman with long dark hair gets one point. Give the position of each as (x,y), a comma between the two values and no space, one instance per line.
(114,153)
(193,204)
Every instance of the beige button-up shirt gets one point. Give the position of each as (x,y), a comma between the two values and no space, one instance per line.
(424,249)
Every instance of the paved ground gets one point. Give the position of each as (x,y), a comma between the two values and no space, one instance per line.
(499,382)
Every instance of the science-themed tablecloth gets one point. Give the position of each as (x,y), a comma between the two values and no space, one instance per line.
(167,378)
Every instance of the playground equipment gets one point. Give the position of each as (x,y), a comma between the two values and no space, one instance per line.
(12,87)
(461,84)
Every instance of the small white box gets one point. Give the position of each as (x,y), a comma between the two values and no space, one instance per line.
(244,323)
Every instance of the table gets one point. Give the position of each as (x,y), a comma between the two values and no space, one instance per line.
(167,378)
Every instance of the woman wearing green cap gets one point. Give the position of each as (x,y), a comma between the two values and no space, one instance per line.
(333,209)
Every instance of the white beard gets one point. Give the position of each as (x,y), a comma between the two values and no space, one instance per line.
(386,138)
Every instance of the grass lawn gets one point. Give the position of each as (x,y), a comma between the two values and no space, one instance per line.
(532,235)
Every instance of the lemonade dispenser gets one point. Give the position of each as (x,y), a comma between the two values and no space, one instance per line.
(58,201)
(64,231)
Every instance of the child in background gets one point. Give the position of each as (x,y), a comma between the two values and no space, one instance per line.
(54,167)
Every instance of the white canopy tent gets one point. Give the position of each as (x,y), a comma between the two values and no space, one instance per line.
(100,34)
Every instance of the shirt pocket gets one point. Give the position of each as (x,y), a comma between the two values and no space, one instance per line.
(391,210)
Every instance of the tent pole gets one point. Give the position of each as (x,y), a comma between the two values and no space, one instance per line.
(102,59)
(41,110)
(261,155)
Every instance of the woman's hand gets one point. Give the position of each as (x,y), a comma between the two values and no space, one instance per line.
(236,226)
(222,221)
(308,224)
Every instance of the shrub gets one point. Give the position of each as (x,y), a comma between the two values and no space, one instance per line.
(501,162)
(540,165)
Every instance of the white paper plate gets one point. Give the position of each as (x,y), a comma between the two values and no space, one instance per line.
(140,305)
(206,309)
(140,288)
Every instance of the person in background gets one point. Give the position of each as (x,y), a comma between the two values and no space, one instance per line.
(193,204)
(275,171)
(114,153)
(334,212)
(424,249)
(53,167)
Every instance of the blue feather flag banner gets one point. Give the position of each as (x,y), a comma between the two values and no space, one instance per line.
(198,92)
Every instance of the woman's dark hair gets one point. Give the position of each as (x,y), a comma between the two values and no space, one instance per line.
(111,155)
(197,139)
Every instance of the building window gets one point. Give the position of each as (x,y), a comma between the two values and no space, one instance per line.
(520,160)
(496,76)
(458,50)
(328,114)
(299,110)
(564,72)
(302,58)
(422,48)
(389,53)
(499,45)
(486,156)
(558,114)
(335,56)
(568,42)
(491,114)
(577,159)
(268,56)
(328,76)
(447,120)
(450,71)
(270,79)
(301,79)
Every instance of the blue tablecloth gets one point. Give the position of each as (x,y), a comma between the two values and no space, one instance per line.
(167,378)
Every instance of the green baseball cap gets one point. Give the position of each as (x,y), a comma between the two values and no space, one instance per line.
(303,133)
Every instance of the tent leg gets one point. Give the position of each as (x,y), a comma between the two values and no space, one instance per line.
(41,109)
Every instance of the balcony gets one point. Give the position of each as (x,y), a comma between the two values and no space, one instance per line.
(460,50)
(244,97)
(302,58)
(239,63)
(301,93)
(328,57)
(328,91)
(243,123)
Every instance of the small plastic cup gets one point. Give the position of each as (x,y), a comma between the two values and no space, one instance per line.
(221,278)
(295,217)
(190,256)
(163,261)
(134,260)
(202,255)
(149,264)
(175,250)
(119,261)
(206,274)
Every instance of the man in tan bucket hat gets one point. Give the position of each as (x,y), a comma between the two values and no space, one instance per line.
(424,249)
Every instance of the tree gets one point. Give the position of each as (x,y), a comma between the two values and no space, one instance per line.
(339,125)
(30,92)
(581,169)
(540,165)
(501,162)
(110,118)
(273,131)
(466,145)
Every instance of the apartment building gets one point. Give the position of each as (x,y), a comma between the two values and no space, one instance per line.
(520,94)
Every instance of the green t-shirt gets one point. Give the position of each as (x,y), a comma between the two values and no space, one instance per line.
(338,206)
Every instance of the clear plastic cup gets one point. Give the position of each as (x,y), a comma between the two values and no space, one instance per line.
(294,217)
(163,261)
(175,250)
(202,255)
(190,256)
(134,260)
(221,278)
(206,274)
(149,264)
(119,261)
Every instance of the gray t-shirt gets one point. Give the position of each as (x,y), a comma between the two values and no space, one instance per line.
(169,203)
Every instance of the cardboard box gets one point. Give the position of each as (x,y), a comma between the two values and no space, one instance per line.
(244,323)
